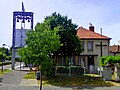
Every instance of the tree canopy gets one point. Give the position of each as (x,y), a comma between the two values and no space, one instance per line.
(40,43)
(4,54)
(67,31)
(56,35)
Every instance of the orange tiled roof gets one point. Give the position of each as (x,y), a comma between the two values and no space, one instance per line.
(114,48)
(87,34)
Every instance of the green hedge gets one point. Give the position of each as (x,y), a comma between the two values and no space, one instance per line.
(5,63)
(111,60)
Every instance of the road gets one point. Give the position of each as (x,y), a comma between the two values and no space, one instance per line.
(17,66)
(11,81)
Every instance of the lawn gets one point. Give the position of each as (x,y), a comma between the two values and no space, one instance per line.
(30,75)
(87,80)
(4,71)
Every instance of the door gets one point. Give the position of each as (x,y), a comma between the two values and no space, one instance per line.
(91,64)
(90,60)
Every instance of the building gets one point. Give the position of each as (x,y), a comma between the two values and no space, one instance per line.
(114,50)
(94,46)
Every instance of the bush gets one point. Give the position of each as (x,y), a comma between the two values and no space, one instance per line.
(109,60)
(17,59)
(5,63)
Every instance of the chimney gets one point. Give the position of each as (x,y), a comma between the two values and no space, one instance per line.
(91,27)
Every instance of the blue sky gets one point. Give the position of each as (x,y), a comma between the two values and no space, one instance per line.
(103,14)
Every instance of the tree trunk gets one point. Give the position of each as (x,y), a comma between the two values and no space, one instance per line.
(40,78)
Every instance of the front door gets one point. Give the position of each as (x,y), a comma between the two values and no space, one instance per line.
(90,60)
(91,63)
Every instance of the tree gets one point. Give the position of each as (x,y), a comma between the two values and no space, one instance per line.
(40,43)
(6,53)
(46,39)
(23,52)
(1,56)
(70,42)
(56,35)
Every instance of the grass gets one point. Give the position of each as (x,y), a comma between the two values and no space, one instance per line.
(4,71)
(76,81)
(88,80)
(92,75)
(30,75)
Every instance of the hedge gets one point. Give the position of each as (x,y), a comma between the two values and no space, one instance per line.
(5,63)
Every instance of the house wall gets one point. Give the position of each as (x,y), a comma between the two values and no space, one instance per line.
(96,50)
(83,59)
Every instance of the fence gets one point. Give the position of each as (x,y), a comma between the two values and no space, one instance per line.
(75,70)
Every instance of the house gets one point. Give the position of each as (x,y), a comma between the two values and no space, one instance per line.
(94,45)
(114,50)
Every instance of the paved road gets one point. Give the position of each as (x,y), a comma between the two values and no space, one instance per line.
(11,81)
(12,78)
(55,88)
(17,66)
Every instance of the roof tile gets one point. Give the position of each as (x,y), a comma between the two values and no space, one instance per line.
(114,48)
(87,34)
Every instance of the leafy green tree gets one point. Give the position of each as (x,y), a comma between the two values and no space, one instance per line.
(9,57)
(6,53)
(26,55)
(70,42)
(23,54)
(3,50)
(41,42)
(55,32)
(2,56)
(56,35)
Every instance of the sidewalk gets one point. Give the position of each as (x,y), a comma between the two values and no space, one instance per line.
(12,78)
(28,82)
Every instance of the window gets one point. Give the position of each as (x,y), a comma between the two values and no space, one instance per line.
(82,43)
(90,45)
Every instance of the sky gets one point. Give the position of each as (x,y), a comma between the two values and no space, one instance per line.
(103,14)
